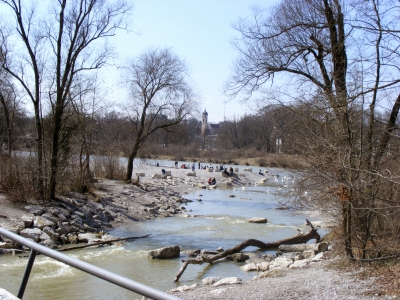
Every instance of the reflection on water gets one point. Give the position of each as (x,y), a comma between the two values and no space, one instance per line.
(220,222)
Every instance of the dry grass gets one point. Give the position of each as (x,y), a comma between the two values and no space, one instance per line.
(18,178)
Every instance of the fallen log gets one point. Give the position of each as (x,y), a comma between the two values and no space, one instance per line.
(297,239)
(104,242)
(318,247)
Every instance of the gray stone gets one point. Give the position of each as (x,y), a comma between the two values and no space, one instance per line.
(100,216)
(78,214)
(95,205)
(166,252)
(210,280)
(228,281)
(78,202)
(88,228)
(41,222)
(308,253)
(77,222)
(282,262)
(31,233)
(240,257)
(257,220)
(318,257)
(59,212)
(35,210)
(49,243)
(298,264)
(88,211)
(249,267)
(54,236)
(28,221)
(44,236)
(50,217)
(111,215)
(185,288)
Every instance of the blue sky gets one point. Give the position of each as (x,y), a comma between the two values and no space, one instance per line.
(199,32)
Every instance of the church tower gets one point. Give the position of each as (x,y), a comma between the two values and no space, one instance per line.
(204,123)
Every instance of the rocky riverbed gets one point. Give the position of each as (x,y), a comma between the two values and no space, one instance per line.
(69,218)
(86,218)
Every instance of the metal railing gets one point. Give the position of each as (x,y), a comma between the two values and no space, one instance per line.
(83,266)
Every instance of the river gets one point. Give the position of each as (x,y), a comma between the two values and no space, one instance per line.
(220,222)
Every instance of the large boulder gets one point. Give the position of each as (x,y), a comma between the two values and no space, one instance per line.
(31,233)
(35,210)
(191,173)
(257,220)
(166,252)
(54,236)
(41,222)
(282,262)
(27,220)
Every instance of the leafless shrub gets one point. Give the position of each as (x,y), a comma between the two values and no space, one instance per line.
(109,167)
(18,178)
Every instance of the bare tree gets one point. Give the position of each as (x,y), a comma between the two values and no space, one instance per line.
(9,107)
(68,40)
(160,96)
(332,79)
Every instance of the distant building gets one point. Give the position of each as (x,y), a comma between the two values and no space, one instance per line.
(204,124)
(209,129)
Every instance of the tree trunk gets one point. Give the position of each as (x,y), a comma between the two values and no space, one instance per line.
(55,149)
(132,155)
(39,151)
(297,239)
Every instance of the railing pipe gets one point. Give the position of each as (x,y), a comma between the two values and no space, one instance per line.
(28,270)
(91,269)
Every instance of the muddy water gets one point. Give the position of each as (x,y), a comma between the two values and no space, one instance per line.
(220,221)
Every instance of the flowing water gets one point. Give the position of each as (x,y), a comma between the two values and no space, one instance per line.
(220,222)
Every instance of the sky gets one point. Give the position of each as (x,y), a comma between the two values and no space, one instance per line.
(200,33)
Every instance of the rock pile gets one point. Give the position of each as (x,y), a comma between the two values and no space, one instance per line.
(66,221)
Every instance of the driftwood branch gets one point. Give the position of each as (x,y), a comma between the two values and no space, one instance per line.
(300,238)
(104,242)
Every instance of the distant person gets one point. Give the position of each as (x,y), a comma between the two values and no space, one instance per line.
(230,172)
(209,181)
(225,172)
(193,166)
(157,164)
(260,173)
(199,166)
(163,171)
(176,165)
(213,181)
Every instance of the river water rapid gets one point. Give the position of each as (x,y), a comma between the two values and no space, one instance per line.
(220,221)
